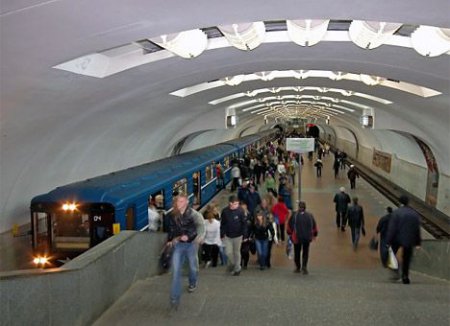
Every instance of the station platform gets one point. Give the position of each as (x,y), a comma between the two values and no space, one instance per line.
(343,287)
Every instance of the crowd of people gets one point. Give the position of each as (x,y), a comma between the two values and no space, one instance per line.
(253,223)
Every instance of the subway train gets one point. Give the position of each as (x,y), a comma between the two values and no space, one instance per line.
(73,218)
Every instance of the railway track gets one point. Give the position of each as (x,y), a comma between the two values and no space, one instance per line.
(434,221)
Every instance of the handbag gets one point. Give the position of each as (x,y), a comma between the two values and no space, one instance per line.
(392,262)
(165,258)
(373,243)
(252,245)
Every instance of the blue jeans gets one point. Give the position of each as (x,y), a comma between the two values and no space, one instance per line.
(262,247)
(182,251)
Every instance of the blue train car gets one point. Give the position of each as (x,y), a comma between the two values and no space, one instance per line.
(73,218)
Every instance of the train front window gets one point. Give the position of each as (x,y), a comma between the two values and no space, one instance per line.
(40,224)
(72,231)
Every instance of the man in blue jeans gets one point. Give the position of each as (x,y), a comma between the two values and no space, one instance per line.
(186,230)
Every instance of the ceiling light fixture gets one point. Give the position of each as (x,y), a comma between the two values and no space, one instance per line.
(370,34)
(431,41)
(246,36)
(307,32)
(187,44)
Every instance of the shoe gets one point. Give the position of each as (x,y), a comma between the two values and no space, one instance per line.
(173,307)
(342,229)
(207,264)
(192,288)
(236,273)
(261,268)
(297,270)
(244,267)
(305,271)
(406,280)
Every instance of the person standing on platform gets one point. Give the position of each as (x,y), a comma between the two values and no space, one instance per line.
(233,227)
(318,166)
(341,199)
(356,222)
(184,235)
(382,230)
(404,231)
(352,174)
(336,168)
(303,224)
(236,175)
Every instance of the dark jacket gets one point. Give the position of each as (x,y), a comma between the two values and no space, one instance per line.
(261,232)
(182,225)
(342,200)
(233,223)
(355,217)
(382,226)
(352,174)
(305,226)
(404,228)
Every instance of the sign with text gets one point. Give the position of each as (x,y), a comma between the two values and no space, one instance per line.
(300,145)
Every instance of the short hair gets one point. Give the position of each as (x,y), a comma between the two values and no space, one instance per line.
(389,209)
(302,204)
(404,200)
(355,200)
(232,199)
(342,189)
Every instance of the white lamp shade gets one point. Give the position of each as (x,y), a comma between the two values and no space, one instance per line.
(306,32)
(371,80)
(431,41)
(234,80)
(245,36)
(187,44)
(370,35)
(265,75)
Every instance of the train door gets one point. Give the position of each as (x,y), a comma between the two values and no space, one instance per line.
(197,189)
(130,217)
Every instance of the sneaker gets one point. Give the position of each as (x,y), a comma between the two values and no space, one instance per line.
(192,288)
(173,308)
(236,273)
(208,264)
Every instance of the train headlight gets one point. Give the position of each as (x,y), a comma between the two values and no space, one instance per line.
(40,261)
(69,206)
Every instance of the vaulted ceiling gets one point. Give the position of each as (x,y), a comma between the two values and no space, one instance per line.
(85,88)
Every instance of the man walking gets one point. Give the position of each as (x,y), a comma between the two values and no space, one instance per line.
(233,228)
(186,230)
(404,231)
(356,222)
(303,224)
(341,200)
(352,174)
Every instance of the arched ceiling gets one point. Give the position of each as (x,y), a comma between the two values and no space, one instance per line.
(59,126)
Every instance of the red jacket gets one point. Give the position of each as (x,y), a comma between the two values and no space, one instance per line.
(280,210)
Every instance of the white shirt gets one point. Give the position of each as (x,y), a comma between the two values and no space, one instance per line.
(212,232)
(236,172)
(153,219)
(281,168)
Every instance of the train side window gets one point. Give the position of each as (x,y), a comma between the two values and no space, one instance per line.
(180,186)
(226,162)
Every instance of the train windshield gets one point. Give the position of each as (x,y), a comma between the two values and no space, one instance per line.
(72,231)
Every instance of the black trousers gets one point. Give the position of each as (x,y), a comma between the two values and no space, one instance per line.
(245,253)
(319,172)
(281,235)
(352,184)
(302,245)
(235,184)
(269,252)
(406,259)
(210,253)
(341,219)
